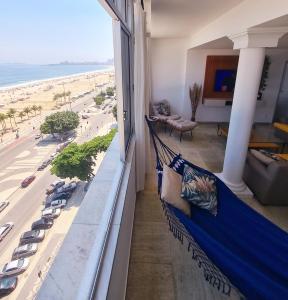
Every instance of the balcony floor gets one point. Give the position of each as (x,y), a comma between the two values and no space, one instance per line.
(160,267)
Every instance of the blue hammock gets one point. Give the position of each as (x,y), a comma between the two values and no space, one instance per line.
(238,249)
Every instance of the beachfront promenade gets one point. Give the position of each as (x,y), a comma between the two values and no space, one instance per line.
(20,157)
(42,93)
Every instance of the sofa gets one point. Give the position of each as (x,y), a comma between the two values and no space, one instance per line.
(268,182)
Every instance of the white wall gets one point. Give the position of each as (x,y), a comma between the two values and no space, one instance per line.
(265,108)
(196,62)
(174,69)
(168,67)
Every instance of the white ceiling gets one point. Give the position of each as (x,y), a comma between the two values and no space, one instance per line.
(180,18)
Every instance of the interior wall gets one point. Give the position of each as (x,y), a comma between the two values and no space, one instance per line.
(216,112)
(265,109)
(195,73)
(168,69)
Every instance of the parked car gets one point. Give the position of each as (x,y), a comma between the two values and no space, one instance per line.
(27,181)
(55,185)
(51,213)
(8,285)
(84,117)
(61,203)
(60,147)
(24,251)
(67,187)
(38,136)
(15,267)
(4,229)
(42,224)
(53,155)
(32,236)
(44,164)
(71,139)
(58,183)
(57,196)
(3,205)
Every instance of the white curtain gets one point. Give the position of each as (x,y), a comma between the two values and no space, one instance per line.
(140,94)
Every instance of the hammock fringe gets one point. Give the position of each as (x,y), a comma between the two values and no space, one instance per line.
(211,273)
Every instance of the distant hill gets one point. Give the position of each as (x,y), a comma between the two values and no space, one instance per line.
(107,62)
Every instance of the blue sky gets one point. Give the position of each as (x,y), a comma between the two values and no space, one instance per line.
(51,31)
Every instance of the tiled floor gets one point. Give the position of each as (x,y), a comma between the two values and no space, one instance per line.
(160,267)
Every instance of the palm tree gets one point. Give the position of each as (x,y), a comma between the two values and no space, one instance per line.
(2,120)
(34,108)
(27,110)
(68,93)
(21,114)
(12,112)
(56,97)
(10,116)
(39,107)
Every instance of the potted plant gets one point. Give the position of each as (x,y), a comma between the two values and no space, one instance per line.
(195,94)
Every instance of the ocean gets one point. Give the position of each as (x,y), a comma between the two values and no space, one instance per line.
(13,74)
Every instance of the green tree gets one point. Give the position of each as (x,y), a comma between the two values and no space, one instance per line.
(114,111)
(34,108)
(79,160)
(12,113)
(60,123)
(10,116)
(99,99)
(2,120)
(56,97)
(39,107)
(21,114)
(27,111)
(110,91)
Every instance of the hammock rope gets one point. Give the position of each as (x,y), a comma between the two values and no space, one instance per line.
(165,155)
(239,251)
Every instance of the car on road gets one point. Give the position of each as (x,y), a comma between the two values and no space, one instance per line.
(60,147)
(32,236)
(44,164)
(24,251)
(84,117)
(51,213)
(71,186)
(27,181)
(3,205)
(61,203)
(42,224)
(57,196)
(8,285)
(15,267)
(71,139)
(4,229)
(53,155)
(55,185)
(38,136)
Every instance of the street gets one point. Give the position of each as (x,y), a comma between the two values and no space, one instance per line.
(19,160)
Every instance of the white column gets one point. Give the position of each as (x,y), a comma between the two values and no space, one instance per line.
(252,43)
(242,116)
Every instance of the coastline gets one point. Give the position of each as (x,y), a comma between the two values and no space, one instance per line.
(39,81)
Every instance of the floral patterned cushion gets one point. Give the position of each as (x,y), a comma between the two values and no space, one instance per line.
(199,189)
(164,109)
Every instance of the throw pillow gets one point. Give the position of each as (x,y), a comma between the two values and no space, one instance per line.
(199,189)
(264,159)
(171,190)
(163,109)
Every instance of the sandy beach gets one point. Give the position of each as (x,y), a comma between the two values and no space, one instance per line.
(42,92)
